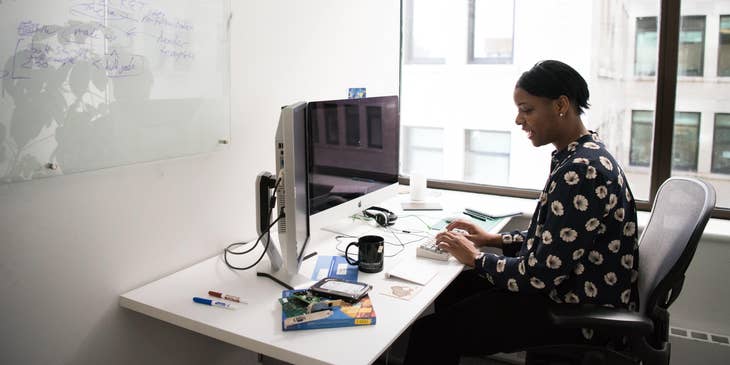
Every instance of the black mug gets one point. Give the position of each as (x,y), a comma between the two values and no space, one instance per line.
(369,253)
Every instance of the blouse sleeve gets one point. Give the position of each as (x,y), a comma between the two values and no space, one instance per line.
(572,219)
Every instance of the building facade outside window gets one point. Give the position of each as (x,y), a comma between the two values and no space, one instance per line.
(487,157)
(424,151)
(491,31)
(721,144)
(424,39)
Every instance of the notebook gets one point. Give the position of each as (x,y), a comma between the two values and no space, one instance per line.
(411,270)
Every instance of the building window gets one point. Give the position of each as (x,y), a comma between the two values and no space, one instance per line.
(331,126)
(686,141)
(424,151)
(721,144)
(352,125)
(375,127)
(691,56)
(491,31)
(723,53)
(685,145)
(424,38)
(487,157)
(691,46)
(646,46)
(641,135)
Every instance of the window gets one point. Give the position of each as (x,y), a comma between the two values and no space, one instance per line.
(691,46)
(641,131)
(721,144)
(491,30)
(487,157)
(332,128)
(375,127)
(424,39)
(686,139)
(646,46)
(352,125)
(465,99)
(424,151)
(723,53)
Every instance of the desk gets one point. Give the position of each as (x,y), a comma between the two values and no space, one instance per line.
(257,326)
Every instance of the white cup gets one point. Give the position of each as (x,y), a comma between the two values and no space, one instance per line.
(418,187)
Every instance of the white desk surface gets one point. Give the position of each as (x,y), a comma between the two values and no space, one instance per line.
(256,326)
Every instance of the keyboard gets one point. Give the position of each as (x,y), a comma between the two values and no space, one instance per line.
(429,249)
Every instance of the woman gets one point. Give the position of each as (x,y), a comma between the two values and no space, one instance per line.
(580,248)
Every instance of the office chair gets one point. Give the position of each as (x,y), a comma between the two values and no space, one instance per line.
(679,214)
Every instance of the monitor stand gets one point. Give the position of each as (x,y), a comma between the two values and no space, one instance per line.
(275,270)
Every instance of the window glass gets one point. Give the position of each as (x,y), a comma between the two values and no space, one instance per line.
(491,31)
(685,141)
(423,151)
(424,36)
(487,157)
(691,46)
(646,46)
(641,137)
(460,96)
(723,54)
(721,145)
(700,146)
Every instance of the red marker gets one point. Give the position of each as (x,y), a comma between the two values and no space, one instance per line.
(232,298)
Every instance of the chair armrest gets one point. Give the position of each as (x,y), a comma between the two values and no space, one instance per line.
(601,318)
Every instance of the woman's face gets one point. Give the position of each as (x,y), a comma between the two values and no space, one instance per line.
(538,116)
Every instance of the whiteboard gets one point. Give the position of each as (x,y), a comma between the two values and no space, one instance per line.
(90,84)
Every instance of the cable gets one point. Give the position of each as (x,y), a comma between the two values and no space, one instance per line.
(266,247)
(228,249)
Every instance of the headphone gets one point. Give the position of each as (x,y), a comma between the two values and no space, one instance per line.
(382,216)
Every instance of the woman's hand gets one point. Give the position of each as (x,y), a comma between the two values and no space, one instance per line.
(475,233)
(459,246)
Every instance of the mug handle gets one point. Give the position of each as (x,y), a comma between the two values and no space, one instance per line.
(347,257)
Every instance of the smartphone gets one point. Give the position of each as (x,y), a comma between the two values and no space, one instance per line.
(351,291)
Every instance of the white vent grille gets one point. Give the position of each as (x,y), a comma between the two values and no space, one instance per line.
(281,204)
(701,336)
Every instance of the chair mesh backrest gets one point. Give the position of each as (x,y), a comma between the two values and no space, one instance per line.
(680,212)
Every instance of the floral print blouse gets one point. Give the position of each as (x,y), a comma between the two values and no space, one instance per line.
(581,246)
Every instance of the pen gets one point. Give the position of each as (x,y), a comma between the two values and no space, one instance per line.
(475,216)
(232,298)
(213,303)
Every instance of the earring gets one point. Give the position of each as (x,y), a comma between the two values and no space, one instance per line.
(562,115)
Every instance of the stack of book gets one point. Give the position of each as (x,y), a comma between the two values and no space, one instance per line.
(301,310)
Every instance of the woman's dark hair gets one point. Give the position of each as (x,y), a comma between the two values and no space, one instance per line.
(550,79)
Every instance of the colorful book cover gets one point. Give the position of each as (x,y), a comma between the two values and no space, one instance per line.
(303,311)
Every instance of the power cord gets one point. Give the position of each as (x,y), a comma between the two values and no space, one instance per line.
(229,248)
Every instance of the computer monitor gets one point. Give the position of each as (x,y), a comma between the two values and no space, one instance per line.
(291,199)
(353,156)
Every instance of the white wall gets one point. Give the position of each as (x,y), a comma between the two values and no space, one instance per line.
(70,245)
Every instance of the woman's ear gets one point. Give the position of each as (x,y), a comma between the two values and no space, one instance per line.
(562,105)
